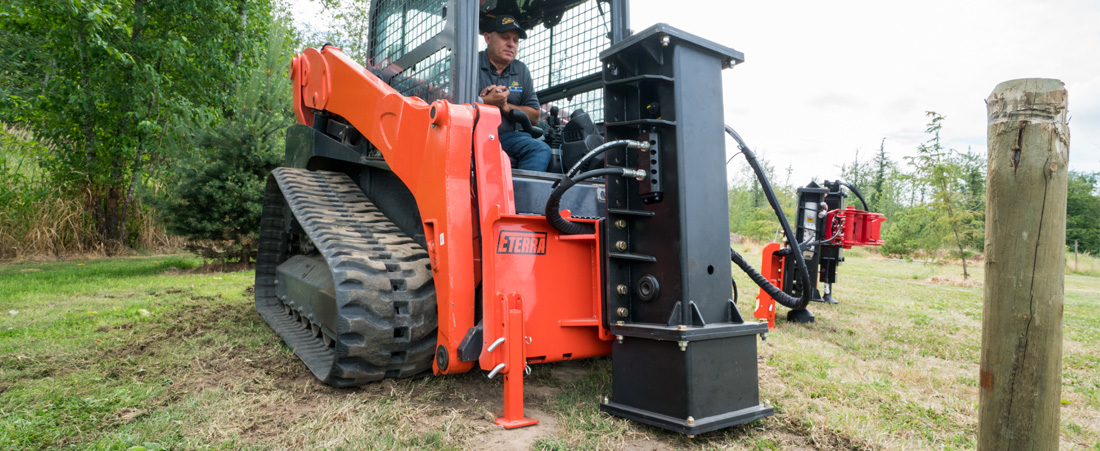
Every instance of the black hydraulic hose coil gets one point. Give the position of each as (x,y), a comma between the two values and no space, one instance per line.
(553,203)
(772,290)
(803,273)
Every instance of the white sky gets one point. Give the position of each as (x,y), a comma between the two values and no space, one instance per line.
(823,80)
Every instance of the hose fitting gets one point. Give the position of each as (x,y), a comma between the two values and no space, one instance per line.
(553,203)
(603,148)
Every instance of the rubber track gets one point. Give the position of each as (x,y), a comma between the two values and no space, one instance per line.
(385,295)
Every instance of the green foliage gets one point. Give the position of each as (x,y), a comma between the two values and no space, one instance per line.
(215,191)
(750,214)
(37,218)
(347,30)
(884,189)
(955,184)
(106,78)
(1083,212)
(914,231)
(21,177)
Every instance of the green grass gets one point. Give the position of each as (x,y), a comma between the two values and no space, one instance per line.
(146,352)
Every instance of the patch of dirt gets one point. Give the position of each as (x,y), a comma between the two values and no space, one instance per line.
(127,414)
(955,282)
(126,326)
(644,445)
(496,438)
(186,323)
(217,268)
(3,387)
(174,271)
(197,318)
(208,268)
(570,371)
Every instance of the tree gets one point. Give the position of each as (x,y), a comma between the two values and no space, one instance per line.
(216,192)
(912,230)
(750,213)
(109,75)
(857,173)
(941,172)
(1083,210)
(348,29)
(972,170)
(886,187)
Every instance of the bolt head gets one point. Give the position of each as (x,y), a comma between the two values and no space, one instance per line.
(620,245)
(622,289)
(492,137)
(623,312)
(620,223)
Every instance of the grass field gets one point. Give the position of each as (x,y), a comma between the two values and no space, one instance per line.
(147,353)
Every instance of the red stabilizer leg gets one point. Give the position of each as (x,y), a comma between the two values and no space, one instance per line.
(515,363)
(770,268)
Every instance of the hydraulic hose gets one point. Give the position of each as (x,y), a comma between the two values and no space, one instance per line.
(803,274)
(856,191)
(815,243)
(553,203)
(603,148)
(772,290)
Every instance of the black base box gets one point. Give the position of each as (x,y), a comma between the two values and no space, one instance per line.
(689,380)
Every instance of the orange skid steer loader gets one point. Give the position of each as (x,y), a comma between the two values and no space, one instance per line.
(398,241)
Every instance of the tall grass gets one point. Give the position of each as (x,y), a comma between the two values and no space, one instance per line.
(42,219)
(1083,263)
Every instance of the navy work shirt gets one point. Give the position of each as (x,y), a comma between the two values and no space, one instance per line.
(518,80)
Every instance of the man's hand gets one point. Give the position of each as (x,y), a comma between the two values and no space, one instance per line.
(495,95)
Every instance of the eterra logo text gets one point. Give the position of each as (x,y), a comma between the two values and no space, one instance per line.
(518,242)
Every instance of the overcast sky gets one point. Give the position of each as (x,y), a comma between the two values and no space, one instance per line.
(823,80)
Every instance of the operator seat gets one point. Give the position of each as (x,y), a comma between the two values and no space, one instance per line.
(579,136)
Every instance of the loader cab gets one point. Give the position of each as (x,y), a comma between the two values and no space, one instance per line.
(428,49)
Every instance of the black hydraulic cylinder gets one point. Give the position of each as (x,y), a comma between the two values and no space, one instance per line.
(683,358)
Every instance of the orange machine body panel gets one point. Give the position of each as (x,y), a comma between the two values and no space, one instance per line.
(471,240)
(557,277)
(771,269)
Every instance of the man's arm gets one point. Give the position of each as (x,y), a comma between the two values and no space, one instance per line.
(497,96)
(532,113)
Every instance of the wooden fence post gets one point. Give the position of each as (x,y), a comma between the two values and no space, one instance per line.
(1025,244)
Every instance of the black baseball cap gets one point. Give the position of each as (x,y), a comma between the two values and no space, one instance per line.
(500,24)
